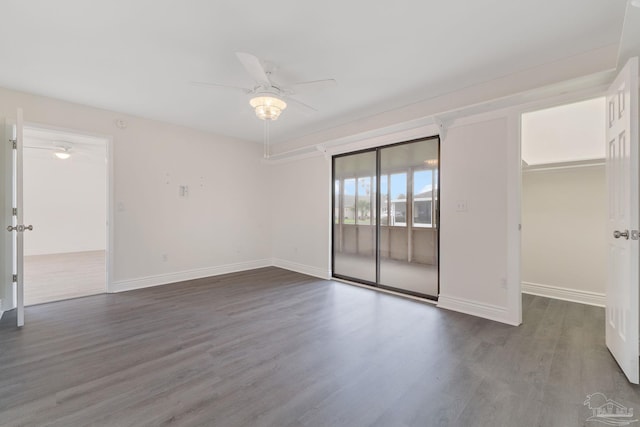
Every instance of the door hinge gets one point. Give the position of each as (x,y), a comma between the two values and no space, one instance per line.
(15,211)
(14,143)
(635,234)
(15,278)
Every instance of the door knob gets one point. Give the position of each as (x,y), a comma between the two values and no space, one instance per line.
(11,228)
(618,234)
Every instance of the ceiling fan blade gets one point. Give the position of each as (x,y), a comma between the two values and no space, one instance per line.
(39,148)
(301,104)
(313,85)
(254,67)
(205,84)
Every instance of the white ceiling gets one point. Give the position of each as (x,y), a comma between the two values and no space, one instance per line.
(567,133)
(138,57)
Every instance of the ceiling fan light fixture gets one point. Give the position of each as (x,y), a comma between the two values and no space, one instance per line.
(267,107)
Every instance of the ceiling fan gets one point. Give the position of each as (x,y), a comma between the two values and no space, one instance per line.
(269,97)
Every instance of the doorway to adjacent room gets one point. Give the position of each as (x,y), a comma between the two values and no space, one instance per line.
(65,184)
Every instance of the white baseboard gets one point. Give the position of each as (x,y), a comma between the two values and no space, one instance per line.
(474,308)
(565,294)
(302,268)
(181,276)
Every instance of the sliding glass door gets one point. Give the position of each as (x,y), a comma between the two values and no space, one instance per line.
(386,216)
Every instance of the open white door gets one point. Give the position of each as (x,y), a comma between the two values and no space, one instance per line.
(623,220)
(13,239)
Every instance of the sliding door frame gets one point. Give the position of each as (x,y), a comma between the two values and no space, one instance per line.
(378,207)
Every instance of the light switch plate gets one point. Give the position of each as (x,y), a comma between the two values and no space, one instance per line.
(462,206)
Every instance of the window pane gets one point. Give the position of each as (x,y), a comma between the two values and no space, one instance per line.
(336,202)
(349,201)
(363,202)
(384,200)
(398,186)
(422,198)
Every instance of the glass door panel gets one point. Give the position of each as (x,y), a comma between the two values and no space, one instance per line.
(354,232)
(409,239)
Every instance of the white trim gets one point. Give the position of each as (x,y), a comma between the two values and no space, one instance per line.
(570,96)
(110,213)
(181,276)
(302,268)
(474,308)
(294,155)
(564,294)
(514,221)
(589,163)
(404,131)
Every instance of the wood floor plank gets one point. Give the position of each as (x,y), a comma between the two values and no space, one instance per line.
(271,347)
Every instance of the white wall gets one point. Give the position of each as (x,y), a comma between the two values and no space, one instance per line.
(564,231)
(220,227)
(473,240)
(301,215)
(66,200)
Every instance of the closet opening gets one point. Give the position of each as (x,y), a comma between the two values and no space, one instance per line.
(564,202)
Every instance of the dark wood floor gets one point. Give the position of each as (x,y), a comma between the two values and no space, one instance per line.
(276,348)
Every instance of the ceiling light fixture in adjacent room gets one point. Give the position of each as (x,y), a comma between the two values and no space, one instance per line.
(267,107)
(62,153)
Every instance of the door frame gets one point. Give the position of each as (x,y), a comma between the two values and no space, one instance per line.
(109,190)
